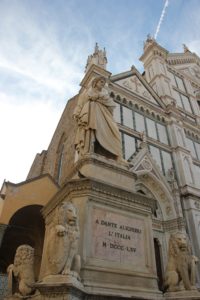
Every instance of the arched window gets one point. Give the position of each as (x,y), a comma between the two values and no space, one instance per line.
(157,249)
(59,158)
(60,163)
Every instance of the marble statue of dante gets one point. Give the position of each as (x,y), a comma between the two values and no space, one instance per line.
(94,115)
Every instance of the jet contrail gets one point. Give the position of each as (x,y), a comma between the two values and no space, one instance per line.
(161,18)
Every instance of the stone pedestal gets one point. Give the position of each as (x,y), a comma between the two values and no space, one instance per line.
(116,242)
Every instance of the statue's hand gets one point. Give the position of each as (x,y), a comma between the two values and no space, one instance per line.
(195,259)
(94,97)
(76,112)
(60,230)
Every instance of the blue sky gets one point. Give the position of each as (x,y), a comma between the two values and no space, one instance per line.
(44,46)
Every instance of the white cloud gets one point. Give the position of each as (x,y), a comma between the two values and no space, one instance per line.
(37,74)
(26,129)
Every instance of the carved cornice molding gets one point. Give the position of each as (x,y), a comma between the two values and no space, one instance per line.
(190,192)
(100,192)
(182,58)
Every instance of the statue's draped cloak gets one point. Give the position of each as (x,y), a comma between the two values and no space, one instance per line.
(94,112)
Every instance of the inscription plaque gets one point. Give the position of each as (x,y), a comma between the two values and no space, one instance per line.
(119,238)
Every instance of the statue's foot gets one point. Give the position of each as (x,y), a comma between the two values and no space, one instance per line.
(174,289)
(66,271)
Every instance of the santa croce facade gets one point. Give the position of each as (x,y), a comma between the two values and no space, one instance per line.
(111,210)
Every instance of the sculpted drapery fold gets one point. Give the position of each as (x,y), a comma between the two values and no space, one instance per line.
(94,115)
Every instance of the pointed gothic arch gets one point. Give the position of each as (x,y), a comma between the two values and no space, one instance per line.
(159,192)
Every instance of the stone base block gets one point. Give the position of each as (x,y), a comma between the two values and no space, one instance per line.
(183,295)
(60,287)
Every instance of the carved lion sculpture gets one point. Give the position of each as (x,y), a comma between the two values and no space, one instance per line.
(21,272)
(181,264)
(62,245)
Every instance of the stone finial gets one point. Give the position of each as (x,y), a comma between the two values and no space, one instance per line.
(97,58)
(186,49)
(96,48)
(149,40)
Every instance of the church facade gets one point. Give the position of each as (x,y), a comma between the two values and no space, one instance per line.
(111,210)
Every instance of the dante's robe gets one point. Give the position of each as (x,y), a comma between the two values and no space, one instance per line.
(94,113)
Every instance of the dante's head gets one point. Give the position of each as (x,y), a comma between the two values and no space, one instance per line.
(99,82)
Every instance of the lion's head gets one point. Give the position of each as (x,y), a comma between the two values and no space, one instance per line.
(24,254)
(71,214)
(67,214)
(178,243)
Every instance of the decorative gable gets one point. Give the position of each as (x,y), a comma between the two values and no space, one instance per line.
(143,163)
(149,175)
(135,85)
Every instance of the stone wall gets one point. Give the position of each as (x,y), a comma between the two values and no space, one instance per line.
(48,161)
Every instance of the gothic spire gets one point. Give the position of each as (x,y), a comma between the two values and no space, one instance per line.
(97,58)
